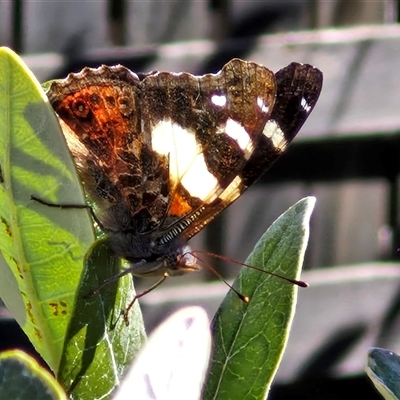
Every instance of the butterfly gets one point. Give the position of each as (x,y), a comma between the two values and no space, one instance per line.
(162,154)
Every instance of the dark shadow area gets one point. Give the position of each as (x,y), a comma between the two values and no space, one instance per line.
(326,388)
(333,351)
(338,159)
(13,337)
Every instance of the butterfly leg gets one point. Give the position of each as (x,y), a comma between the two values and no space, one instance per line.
(114,278)
(138,296)
(76,206)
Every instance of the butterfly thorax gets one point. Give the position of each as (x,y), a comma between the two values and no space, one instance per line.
(146,257)
(152,246)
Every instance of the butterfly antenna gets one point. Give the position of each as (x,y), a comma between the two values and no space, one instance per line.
(285,278)
(245,299)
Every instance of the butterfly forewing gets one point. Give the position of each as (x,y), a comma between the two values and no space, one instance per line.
(297,90)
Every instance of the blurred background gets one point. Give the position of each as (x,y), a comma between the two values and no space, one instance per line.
(347,155)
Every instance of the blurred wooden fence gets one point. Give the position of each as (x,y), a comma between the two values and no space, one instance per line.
(347,155)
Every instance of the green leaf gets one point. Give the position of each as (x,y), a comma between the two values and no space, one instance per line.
(21,377)
(99,345)
(41,247)
(249,339)
(383,368)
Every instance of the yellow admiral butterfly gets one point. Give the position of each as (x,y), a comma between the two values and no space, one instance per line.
(162,153)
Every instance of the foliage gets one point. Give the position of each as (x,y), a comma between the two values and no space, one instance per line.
(383,368)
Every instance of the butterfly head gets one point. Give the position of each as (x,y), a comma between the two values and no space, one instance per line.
(146,258)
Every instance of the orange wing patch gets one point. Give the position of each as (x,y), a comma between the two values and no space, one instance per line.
(179,206)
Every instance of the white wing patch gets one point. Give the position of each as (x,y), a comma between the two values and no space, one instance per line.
(218,100)
(305,105)
(264,108)
(274,132)
(186,160)
(238,133)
